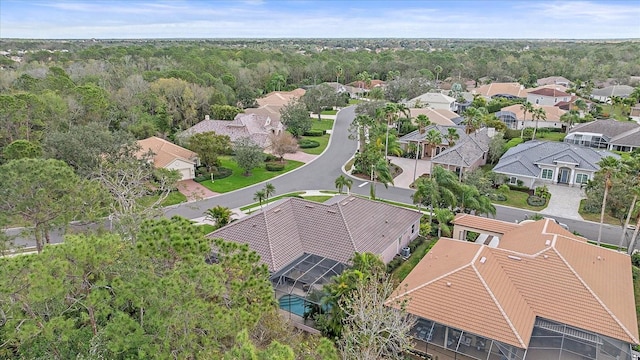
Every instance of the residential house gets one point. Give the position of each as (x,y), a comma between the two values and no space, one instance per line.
(335,229)
(280,98)
(436,116)
(547,96)
(605,94)
(634,113)
(270,111)
(510,90)
(305,243)
(523,291)
(465,154)
(554,80)
(514,117)
(606,134)
(367,86)
(550,162)
(168,155)
(257,128)
(434,101)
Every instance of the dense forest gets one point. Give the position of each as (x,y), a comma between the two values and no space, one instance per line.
(159,87)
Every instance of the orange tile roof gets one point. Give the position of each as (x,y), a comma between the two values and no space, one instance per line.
(537,270)
(492,225)
(492,89)
(164,151)
(436,116)
(280,98)
(553,113)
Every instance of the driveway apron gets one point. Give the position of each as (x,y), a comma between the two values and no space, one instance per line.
(564,202)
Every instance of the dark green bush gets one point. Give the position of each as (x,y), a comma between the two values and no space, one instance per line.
(635,259)
(498,197)
(222,172)
(274,166)
(534,200)
(394,264)
(308,144)
(315,132)
(270,158)
(203,177)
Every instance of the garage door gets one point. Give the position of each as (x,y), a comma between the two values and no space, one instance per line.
(186,174)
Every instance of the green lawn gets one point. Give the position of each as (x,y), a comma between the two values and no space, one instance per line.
(403,270)
(518,199)
(354,101)
(550,136)
(608,219)
(174,197)
(237,180)
(322,140)
(324,124)
(318,198)
(294,194)
(208,228)
(329,112)
(613,112)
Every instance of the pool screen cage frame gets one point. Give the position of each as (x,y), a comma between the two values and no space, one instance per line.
(306,274)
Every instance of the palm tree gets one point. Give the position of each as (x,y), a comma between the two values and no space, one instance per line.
(472,119)
(439,190)
(382,174)
(259,196)
(444,217)
(634,237)
(437,70)
(390,114)
(341,182)
(221,215)
(570,118)
(269,190)
(433,139)
(608,167)
(423,121)
(452,136)
(426,190)
(632,166)
(339,72)
(538,114)
(527,107)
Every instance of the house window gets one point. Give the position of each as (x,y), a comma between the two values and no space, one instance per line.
(537,101)
(582,178)
(413,228)
(547,174)
(513,180)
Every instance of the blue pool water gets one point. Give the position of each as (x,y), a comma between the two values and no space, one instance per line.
(293,303)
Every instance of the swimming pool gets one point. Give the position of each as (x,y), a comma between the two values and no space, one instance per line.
(293,304)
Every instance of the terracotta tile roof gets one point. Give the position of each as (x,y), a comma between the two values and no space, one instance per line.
(165,152)
(492,89)
(553,112)
(493,225)
(545,91)
(498,292)
(436,116)
(335,229)
(280,98)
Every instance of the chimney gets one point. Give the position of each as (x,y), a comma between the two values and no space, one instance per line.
(491,132)
(206,117)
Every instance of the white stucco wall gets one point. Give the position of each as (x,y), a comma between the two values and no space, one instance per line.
(187,169)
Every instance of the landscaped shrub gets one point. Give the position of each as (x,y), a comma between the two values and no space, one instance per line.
(270,158)
(394,264)
(222,172)
(315,132)
(203,177)
(308,144)
(543,192)
(274,166)
(498,197)
(534,200)
(519,188)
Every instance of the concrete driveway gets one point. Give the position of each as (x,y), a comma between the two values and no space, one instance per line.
(564,202)
(408,165)
(194,191)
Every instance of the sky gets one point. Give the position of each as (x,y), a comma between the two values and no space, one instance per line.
(134,19)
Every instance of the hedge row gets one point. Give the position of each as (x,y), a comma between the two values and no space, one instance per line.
(274,166)
(315,132)
(308,144)
(220,173)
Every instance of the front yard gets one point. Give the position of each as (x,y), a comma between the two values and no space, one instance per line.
(595,217)
(237,180)
(324,124)
(518,199)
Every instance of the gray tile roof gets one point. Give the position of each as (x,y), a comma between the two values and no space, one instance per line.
(525,158)
(615,90)
(254,126)
(467,150)
(628,138)
(335,230)
(610,128)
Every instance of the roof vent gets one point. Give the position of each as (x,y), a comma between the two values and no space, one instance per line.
(482,260)
(512,257)
(599,257)
(547,243)
(331,211)
(309,206)
(448,284)
(545,256)
(276,210)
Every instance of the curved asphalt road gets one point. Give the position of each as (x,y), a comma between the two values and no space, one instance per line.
(321,173)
